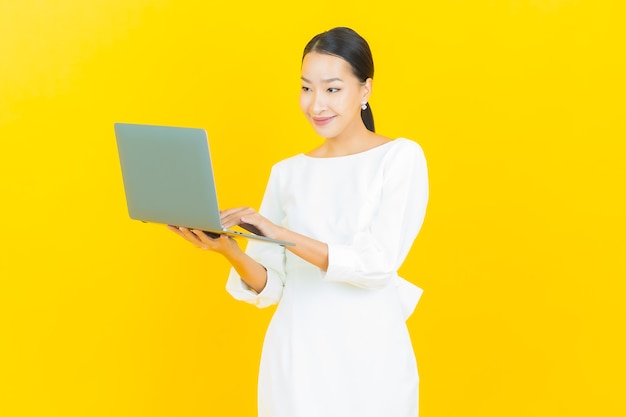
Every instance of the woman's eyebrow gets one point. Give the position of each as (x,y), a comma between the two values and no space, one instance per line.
(329,80)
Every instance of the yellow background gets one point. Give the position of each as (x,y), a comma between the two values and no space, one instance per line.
(518,104)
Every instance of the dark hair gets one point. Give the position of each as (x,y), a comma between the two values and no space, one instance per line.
(349,45)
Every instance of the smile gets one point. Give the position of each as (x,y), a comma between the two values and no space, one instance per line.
(322,121)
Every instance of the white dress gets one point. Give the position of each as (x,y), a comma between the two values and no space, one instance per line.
(338,345)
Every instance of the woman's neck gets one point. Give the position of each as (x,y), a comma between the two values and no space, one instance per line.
(348,143)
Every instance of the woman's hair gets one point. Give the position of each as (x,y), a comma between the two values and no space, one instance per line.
(349,45)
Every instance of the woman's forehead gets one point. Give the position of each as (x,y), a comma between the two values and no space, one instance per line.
(320,67)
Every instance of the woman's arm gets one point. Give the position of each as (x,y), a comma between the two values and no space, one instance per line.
(250,271)
(376,252)
(311,250)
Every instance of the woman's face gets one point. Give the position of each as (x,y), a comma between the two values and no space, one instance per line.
(332,95)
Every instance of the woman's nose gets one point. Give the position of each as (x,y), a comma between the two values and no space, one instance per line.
(318,104)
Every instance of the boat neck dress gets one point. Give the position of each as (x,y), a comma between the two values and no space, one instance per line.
(338,344)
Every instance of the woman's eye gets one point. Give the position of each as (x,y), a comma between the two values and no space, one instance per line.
(333,90)
(305,89)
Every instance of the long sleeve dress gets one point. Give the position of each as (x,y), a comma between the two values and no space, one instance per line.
(337,344)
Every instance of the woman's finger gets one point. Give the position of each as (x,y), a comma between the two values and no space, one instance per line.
(191,237)
(231,211)
(201,240)
(233,218)
(175,230)
(204,237)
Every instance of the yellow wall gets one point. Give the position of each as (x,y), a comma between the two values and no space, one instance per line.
(518,104)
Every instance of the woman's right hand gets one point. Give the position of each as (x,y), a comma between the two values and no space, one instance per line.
(250,271)
(221,244)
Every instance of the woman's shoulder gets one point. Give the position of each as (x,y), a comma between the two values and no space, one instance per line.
(406,144)
(289,162)
(405,147)
(404,153)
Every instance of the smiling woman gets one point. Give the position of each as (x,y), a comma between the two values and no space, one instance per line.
(349,56)
(332,96)
(518,105)
(338,344)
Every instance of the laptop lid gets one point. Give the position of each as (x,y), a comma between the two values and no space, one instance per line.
(168,177)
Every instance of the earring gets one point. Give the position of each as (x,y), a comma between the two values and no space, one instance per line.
(364,105)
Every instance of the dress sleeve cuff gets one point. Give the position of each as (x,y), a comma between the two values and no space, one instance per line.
(341,262)
(270,295)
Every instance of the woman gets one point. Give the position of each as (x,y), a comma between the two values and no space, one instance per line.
(338,344)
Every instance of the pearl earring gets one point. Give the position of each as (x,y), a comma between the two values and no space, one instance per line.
(364,105)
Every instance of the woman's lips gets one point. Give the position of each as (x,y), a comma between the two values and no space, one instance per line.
(322,121)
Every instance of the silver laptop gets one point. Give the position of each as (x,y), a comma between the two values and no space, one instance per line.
(168,179)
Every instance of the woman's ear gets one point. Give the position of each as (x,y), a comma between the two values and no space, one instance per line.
(367,90)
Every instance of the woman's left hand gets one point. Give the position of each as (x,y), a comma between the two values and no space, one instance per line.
(221,244)
(237,216)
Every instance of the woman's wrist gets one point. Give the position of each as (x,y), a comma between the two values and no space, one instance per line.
(232,250)
(280,233)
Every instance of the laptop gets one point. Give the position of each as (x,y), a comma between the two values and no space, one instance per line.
(168,179)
